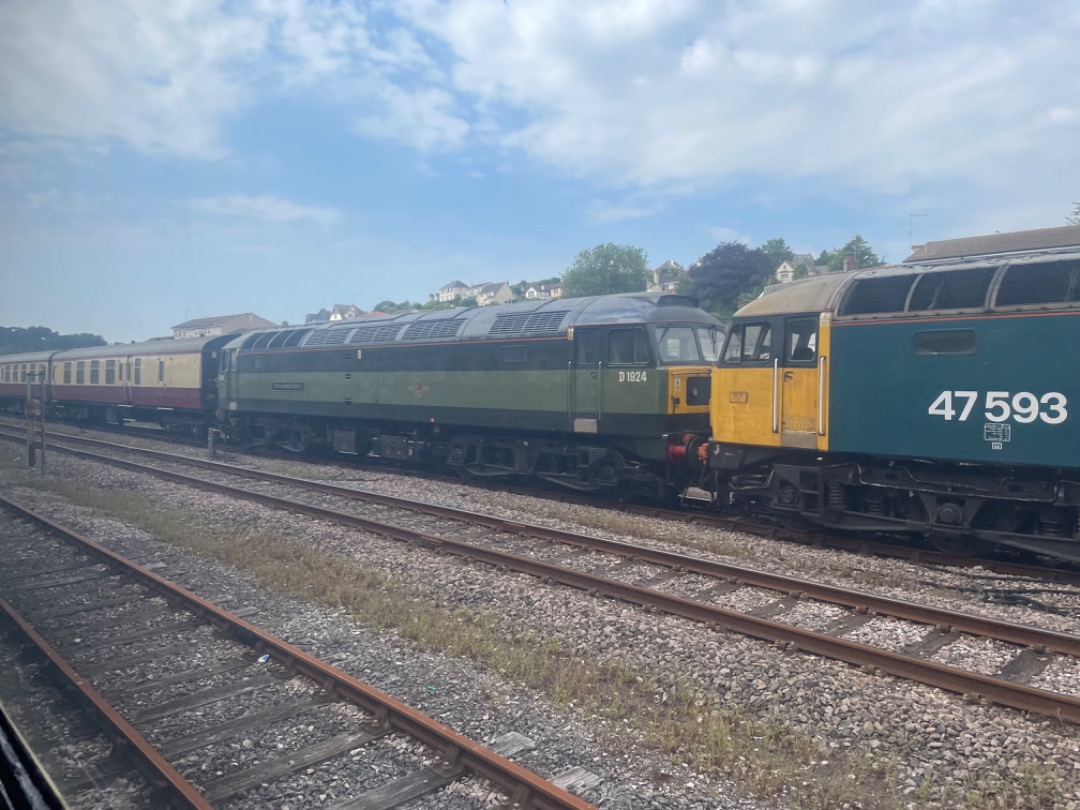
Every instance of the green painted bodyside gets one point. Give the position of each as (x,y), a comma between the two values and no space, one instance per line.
(631,404)
(881,390)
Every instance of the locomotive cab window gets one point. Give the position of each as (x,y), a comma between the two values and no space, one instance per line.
(711,340)
(587,347)
(628,347)
(801,341)
(749,343)
(677,345)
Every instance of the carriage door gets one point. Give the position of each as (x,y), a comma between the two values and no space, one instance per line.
(800,383)
(585,370)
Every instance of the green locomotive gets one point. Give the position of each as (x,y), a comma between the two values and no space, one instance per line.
(591,392)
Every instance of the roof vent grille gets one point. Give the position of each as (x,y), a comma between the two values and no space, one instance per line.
(376,334)
(528,323)
(433,330)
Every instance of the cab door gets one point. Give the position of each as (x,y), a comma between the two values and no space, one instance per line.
(800,394)
(227,379)
(586,367)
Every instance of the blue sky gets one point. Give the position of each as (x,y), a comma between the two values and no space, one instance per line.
(162,160)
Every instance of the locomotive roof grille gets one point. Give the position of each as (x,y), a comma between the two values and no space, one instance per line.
(327,337)
(375,334)
(433,330)
(528,323)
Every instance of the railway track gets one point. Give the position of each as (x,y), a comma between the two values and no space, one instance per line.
(899,548)
(780,608)
(150,658)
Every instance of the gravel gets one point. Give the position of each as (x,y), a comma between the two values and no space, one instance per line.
(933,744)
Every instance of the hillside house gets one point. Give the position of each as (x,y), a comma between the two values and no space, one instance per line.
(220,325)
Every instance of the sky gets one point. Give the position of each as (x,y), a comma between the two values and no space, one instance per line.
(163,160)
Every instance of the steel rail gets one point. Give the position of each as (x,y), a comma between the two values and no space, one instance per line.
(816,539)
(943,619)
(457,750)
(161,775)
(973,686)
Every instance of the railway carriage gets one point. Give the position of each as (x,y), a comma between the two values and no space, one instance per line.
(916,398)
(172,382)
(591,392)
(16,370)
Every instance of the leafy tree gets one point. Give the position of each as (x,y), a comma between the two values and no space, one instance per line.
(606,269)
(778,251)
(16,339)
(1074,217)
(857,247)
(388,307)
(728,276)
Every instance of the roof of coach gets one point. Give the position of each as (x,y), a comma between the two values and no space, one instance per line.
(146,347)
(524,319)
(28,357)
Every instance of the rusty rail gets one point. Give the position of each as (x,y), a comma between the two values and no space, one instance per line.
(159,773)
(457,750)
(942,618)
(973,686)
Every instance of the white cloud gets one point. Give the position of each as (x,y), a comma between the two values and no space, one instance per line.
(422,119)
(153,74)
(633,94)
(264,207)
(841,92)
(722,233)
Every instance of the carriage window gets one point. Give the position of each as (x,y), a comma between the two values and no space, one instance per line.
(110,372)
(95,372)
(677,344)
(802,341)
(951,289)
(748,343)
(80,372)
(161,371)
(628,347)
(67,373)
(138,371)
(1040,284)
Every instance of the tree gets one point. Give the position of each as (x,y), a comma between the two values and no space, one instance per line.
(606,269)
(16,339)
(728,276)
(1074,217)
(778,251)
(858,248)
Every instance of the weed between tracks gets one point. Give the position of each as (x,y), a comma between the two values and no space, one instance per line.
(637,707)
